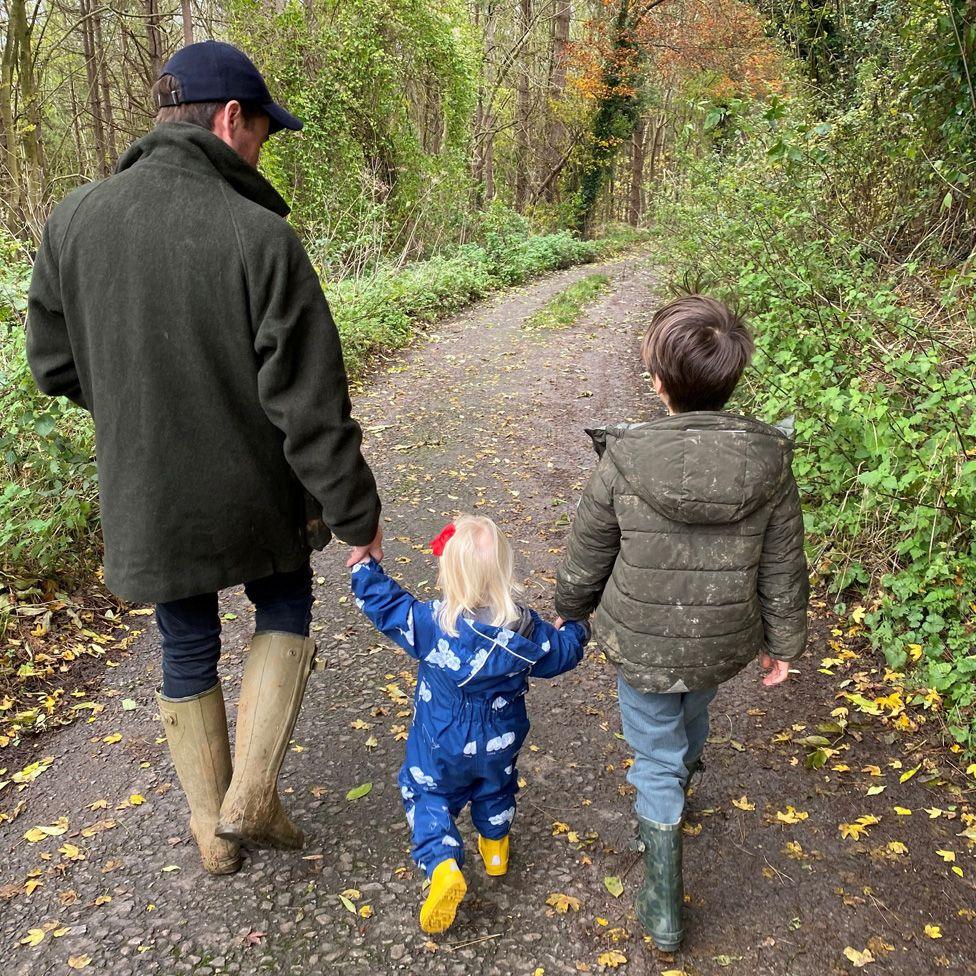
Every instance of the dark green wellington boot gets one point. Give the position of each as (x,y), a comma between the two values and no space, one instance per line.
(660,900)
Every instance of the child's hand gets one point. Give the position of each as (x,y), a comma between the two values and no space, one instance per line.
(776,671)
(373,551)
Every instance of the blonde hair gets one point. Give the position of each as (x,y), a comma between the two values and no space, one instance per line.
(477,573)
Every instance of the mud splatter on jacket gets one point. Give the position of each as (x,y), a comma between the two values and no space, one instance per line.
(688,544)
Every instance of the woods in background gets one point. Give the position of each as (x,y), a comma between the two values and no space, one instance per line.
(417,113)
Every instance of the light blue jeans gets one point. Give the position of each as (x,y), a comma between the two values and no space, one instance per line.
(667,732)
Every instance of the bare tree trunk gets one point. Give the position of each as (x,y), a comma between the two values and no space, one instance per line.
(635,204)
(91,74)
(483,168)
(556,136)
(11,143)
(187,22)
(154,38)
(522,121)
(107,116)
(75,127)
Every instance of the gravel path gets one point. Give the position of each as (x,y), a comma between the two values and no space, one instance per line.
(488,416)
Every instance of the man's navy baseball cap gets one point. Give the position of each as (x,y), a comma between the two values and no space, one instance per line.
(212,71)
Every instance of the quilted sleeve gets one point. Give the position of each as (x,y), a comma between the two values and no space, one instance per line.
(784,586)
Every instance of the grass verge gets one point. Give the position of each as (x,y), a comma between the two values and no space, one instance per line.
(565,308)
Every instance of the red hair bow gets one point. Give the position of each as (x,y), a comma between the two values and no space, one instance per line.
(437,545)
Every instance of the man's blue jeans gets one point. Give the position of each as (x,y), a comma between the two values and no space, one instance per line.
(190,628)
(667,732)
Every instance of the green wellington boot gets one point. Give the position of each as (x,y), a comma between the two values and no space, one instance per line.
(275,676)
(196,731)
(659,902)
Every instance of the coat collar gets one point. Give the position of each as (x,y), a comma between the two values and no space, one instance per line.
(196,149)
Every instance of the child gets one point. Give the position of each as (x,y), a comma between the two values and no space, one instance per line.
(688,544)
(477,650)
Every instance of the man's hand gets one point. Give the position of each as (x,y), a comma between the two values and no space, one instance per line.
(373,551)
(776,671)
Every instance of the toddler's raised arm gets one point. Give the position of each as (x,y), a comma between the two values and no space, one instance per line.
(393,611)
(566,646)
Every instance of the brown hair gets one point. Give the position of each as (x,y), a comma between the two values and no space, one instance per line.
(698,348)
(196,113)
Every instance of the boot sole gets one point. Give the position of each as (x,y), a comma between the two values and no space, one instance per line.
(440,916)
(257,841)
(230,867)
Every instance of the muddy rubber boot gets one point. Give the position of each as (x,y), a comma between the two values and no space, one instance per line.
(196,732)
(659,903)
(275,676)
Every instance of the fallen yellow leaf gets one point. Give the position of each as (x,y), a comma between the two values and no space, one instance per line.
(743,803)
(791,815)
(562,903)
(79,962)
(906,776)
(933,931)
(858,959)
(611,959)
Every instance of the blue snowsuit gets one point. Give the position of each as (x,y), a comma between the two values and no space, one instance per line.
(469,710)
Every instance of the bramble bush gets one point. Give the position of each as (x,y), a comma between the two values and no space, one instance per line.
(876,357)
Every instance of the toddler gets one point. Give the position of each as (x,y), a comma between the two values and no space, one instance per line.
(477,649)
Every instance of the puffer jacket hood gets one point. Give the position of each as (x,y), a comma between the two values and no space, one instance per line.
(702,468)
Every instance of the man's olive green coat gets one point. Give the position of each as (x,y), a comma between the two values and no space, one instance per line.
(174,302)
(688,543)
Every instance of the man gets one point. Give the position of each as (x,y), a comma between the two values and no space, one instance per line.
(174,302)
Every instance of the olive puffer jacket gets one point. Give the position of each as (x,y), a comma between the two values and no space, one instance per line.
(688,543)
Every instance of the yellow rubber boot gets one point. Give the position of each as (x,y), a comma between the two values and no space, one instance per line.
(495,855)
(447,888)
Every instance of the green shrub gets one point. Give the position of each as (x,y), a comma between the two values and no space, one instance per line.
(48,489)
(878,363)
